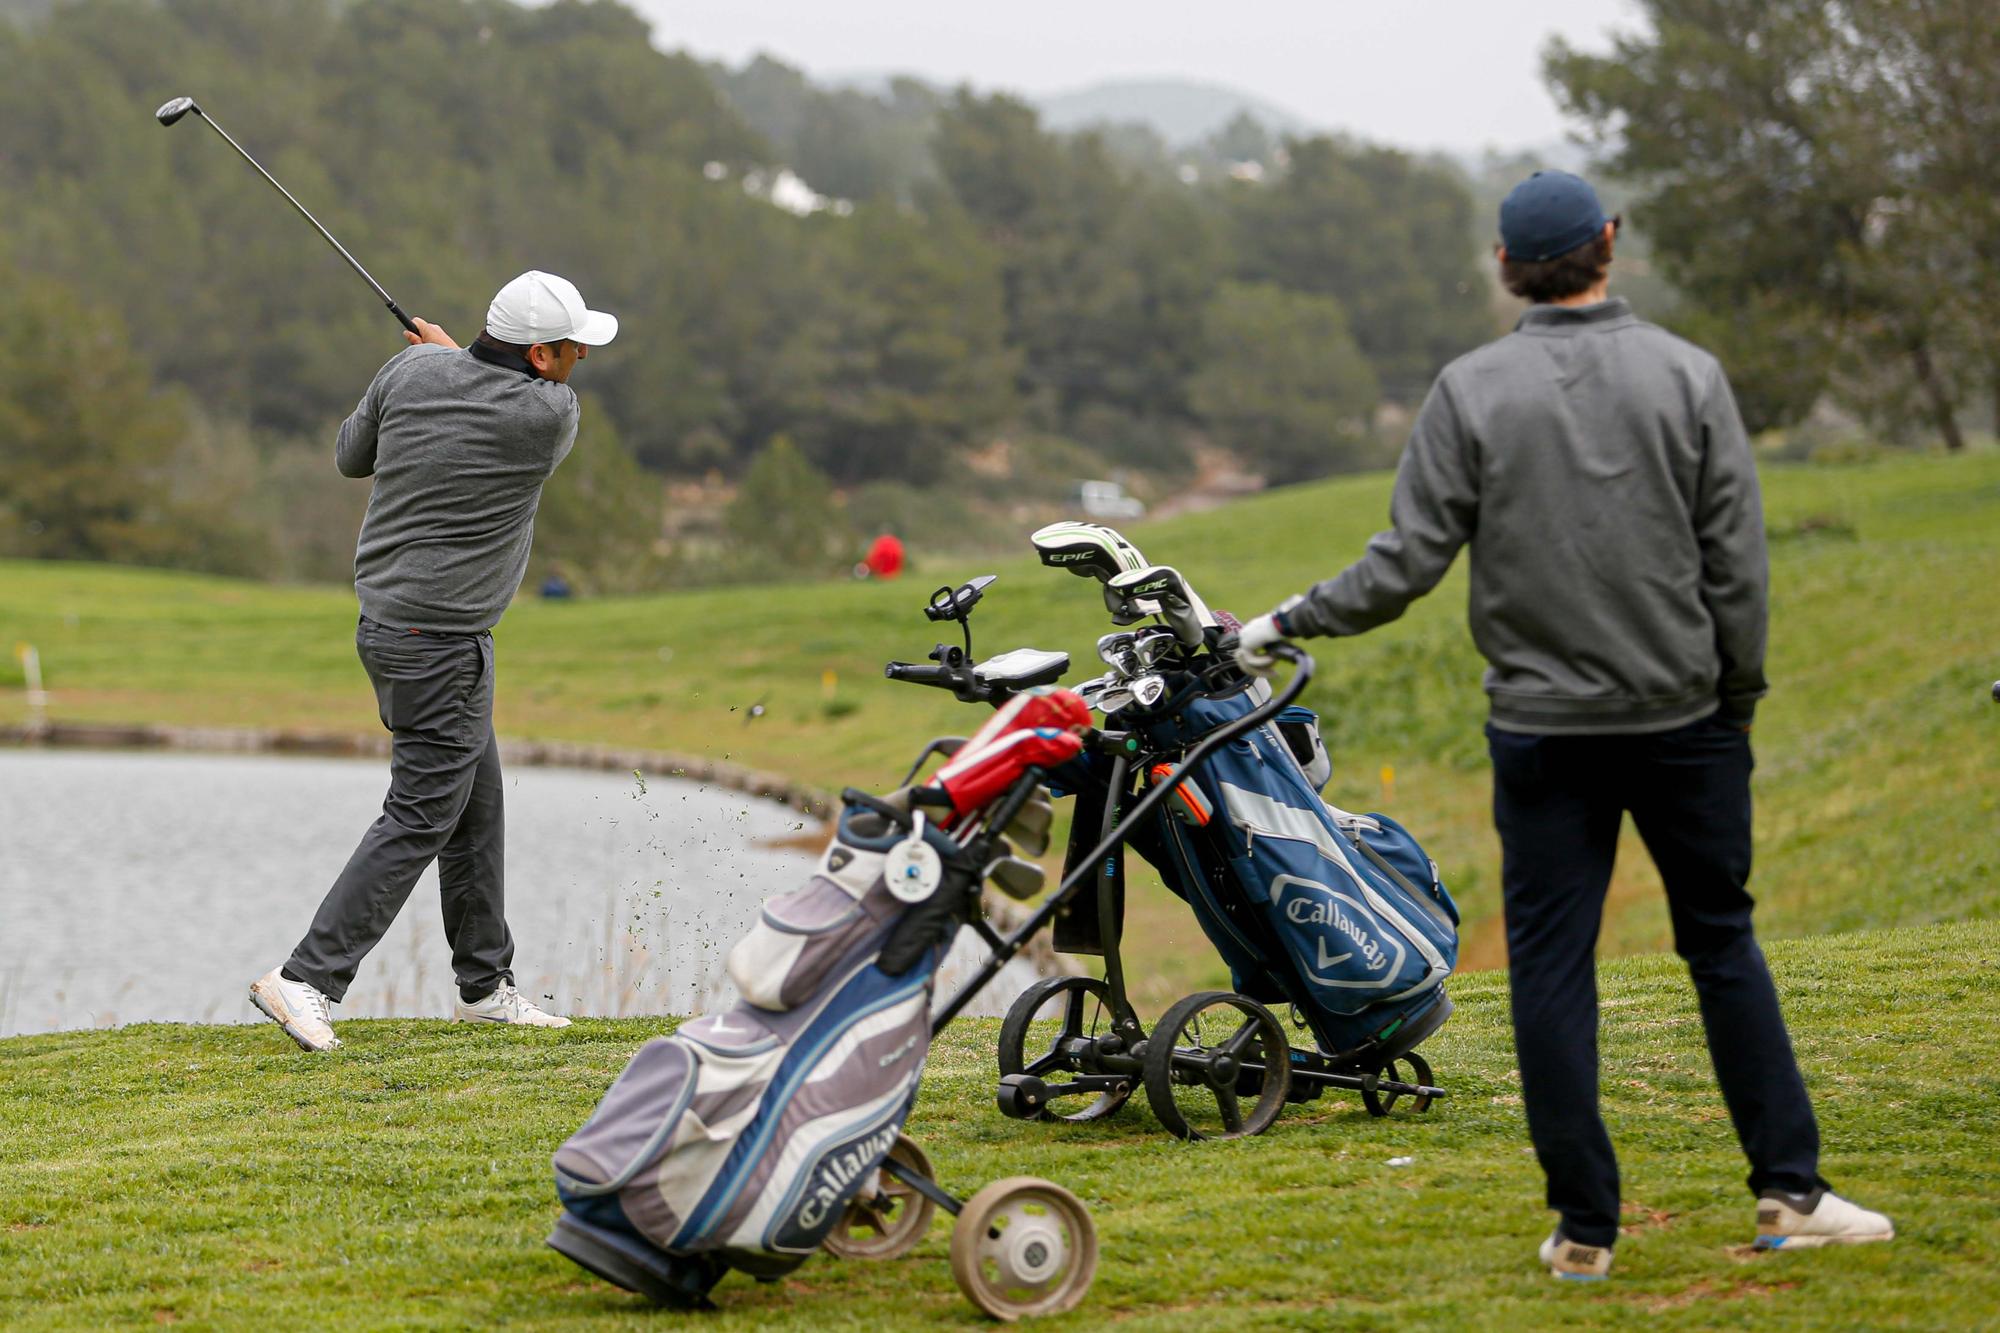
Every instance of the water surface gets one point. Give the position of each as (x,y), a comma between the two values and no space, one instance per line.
(144,887)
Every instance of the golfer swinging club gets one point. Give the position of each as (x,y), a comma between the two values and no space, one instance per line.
(459,442)
(1599,471)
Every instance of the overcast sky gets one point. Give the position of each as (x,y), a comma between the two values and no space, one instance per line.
(1458,74)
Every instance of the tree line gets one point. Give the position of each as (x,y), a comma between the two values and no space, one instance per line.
(1821,181)
(1816,180)
(1018,282)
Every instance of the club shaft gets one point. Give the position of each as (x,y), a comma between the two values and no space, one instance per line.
(353,263)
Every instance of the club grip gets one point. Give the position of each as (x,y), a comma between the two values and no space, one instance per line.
(404,319)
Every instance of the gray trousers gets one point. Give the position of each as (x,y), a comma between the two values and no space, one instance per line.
(445,804)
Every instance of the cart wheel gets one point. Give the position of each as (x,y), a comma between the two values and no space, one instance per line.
(887,1223)
(1023,1246)
(1210,1052)
(1042,1028)
(1380,1101)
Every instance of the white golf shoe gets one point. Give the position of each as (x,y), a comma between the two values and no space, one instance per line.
(1803,1221)
(506,1005)
(1573,1261)
(298,1008)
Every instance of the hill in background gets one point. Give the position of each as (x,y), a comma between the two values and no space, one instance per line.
(1180,111)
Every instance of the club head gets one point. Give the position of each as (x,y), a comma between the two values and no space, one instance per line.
(1115,651)
(1089,691)
(1148,690)
(1111,700)
(1166,589)
(173,109)
(1124,612)
(1079,548)
(1016,878)
(1153,644)
(1128,554)
(1159,583)
(1089,550)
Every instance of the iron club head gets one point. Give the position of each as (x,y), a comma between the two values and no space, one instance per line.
(1115,651)
(1111,700)
(1152,644)
(1091,689)
(173,109)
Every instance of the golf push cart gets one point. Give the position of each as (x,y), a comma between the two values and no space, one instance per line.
(1337,918)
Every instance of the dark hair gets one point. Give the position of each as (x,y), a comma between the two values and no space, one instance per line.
(1564,276)
(518,349)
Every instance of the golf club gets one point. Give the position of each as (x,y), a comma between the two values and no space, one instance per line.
(1091,689)
(174,109)
(1086,550)
(1115,651)
(1111,700)
(1149,690)
(1178,602)
(1152,644)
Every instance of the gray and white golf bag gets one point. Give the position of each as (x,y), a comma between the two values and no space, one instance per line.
(739,1141)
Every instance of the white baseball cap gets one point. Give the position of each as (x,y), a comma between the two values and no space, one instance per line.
(539,307)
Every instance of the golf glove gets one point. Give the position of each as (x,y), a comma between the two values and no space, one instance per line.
(1252,641)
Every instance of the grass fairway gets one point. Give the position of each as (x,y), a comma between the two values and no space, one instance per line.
(1876,798)
(218,1178)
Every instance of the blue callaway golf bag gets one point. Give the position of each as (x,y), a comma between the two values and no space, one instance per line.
(1342,915)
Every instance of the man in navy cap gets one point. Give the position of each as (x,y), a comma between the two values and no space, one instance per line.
(1598,469)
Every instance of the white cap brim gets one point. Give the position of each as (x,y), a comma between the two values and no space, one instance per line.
(597,329)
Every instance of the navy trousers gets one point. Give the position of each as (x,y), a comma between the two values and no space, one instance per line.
(1558,802)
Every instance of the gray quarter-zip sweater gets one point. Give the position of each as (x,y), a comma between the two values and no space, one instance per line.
(1598,468)
(459,443)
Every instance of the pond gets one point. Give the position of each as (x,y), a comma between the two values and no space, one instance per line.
(155,887)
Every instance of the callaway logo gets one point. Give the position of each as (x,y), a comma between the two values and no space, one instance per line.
(836,1171)
(1303,912)
(1306,902)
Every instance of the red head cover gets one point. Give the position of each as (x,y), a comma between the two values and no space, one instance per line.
(1042,727)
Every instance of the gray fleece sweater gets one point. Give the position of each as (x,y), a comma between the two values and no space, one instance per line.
(1598,468)
(459,444)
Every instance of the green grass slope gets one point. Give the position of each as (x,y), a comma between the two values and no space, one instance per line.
(1877,798)
(216,1177)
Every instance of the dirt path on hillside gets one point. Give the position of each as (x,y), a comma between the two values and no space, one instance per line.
(1218,480)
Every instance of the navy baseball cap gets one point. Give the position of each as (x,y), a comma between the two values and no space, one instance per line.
(1551,213)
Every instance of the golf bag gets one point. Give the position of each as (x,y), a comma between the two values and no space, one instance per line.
(739,1141)
(1341,915)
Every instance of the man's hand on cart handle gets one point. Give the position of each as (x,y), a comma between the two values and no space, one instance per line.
(1255,639)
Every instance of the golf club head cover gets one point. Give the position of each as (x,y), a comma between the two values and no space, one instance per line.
(1042,706)
(975,780)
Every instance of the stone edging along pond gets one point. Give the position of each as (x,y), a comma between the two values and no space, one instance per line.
(533,754)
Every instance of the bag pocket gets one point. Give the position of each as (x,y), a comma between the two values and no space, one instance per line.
(635,1122)
(1299,728)
(797,941)
(1356,938)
